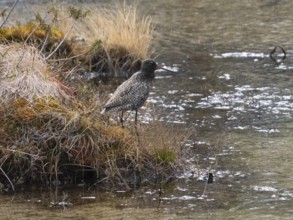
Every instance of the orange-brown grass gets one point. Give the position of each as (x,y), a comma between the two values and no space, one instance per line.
(49,145)
(43,142)
(54,137)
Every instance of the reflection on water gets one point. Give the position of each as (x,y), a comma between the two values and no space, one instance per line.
(235,97)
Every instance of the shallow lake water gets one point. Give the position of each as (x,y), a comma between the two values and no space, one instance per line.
(236,98)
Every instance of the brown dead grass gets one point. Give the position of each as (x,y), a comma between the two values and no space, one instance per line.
(24,73)
(118,38)
(120,29)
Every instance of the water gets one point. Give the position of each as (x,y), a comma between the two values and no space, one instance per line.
(237,99)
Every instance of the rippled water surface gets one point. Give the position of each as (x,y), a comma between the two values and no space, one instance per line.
(229,90)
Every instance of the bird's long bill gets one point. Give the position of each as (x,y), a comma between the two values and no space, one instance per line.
(158,67)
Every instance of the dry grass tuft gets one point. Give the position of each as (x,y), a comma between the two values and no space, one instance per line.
(165,142)
(119,38)
(24,73)
(121,28)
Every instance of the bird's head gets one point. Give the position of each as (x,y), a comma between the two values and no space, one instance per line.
(149,66)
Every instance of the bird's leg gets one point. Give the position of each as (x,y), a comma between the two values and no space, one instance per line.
(121,119)
(136,125)
(135,117)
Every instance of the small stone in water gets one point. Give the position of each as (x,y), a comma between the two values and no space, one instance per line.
(210,178)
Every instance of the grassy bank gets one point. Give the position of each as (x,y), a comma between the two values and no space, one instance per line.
(51,131)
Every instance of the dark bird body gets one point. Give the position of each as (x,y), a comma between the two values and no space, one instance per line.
(132,94)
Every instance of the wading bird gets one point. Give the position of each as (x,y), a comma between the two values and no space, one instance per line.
(133,93)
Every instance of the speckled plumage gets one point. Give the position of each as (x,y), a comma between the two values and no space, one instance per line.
(133,93)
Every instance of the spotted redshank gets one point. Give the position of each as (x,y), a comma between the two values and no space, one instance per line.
(133,93)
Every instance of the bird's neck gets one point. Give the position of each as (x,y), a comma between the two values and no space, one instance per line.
(148,75)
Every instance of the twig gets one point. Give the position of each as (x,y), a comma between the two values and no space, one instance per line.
(61,42)
(12,186)
(5,20)
(44,42)
(35,156)
(69,58)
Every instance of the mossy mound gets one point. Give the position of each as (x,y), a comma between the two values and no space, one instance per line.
(35,31)
(45,136)
(42,36)
(51,133)
(43,141)
(48,135)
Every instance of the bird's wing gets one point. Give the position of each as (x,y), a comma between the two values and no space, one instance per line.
(128,94)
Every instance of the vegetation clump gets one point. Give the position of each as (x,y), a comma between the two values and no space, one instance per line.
(109,41)
(118,39)
(20,33)
(43,36)
(51,134)
(26,74)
